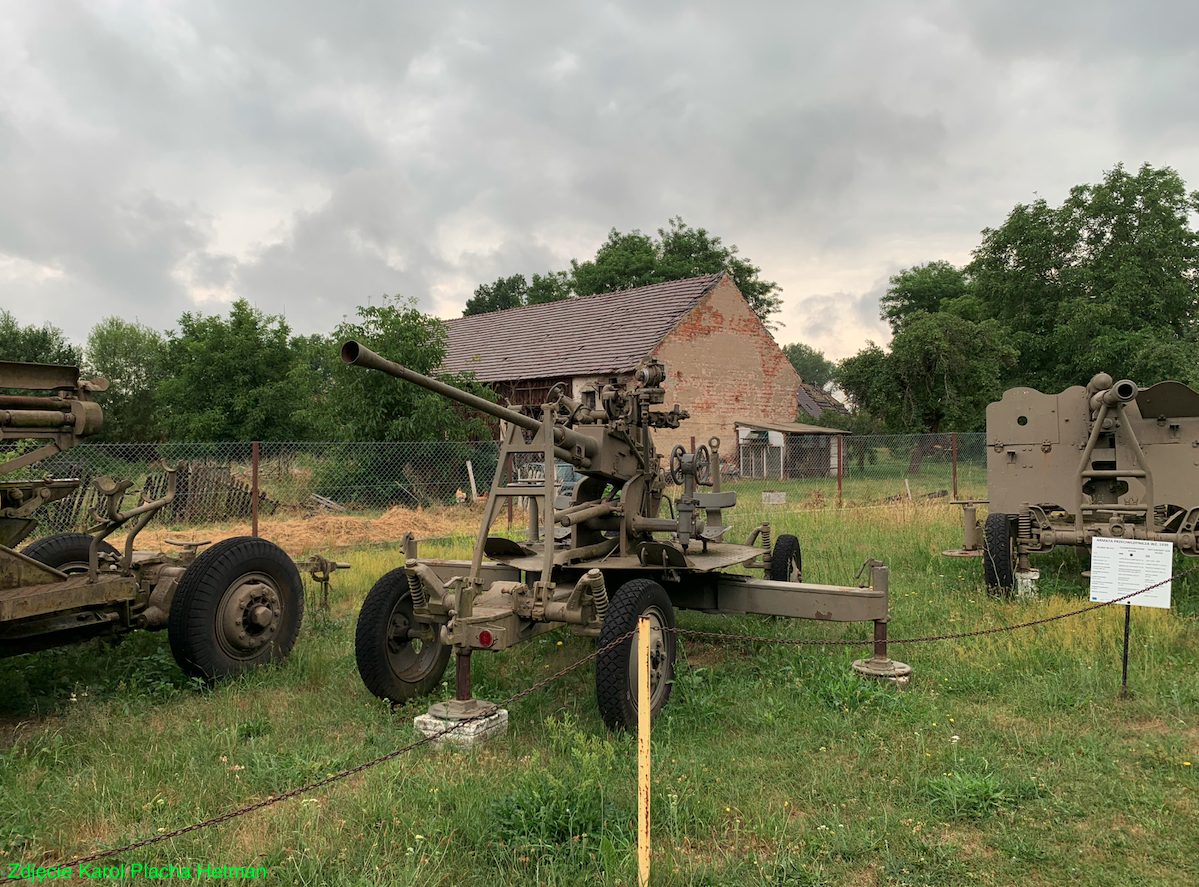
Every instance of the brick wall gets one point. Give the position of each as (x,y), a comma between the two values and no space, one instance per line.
(723,365)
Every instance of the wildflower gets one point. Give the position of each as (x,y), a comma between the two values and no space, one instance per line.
(559,643)
(955,739)
(1186,763)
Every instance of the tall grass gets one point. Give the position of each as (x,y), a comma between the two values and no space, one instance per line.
(1010,759)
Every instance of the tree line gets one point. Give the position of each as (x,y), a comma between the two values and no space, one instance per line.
(1107,281)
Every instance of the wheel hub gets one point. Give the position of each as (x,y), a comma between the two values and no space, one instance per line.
(397,632)
(657,658)
(249,616)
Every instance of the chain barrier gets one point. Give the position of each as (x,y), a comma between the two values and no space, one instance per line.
(336,777)
(714,635)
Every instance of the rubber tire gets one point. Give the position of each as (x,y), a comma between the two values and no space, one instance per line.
(786,552)
(999,553)
(67,552)
(614,681)
(192,622)
(371,645)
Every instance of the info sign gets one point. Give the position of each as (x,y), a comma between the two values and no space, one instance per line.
(1121,566)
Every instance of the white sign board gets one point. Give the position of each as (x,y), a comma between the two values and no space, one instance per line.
(1121,566)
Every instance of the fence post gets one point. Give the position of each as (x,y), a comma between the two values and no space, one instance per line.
(643,733)
(954,450)
(839,468)
(254,488)
(506,480)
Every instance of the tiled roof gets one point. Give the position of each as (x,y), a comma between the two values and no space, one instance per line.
(604,333)
(814,400)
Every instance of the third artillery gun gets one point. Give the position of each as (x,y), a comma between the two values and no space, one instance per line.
(1110,459)
(608,534)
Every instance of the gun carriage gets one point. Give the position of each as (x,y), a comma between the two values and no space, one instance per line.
(1108,460)
(236,605)
(594,561)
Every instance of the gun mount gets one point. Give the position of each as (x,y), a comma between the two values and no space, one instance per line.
(608,533)
(1108,459)
(235,606)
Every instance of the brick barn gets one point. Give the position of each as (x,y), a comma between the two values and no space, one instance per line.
(721,361)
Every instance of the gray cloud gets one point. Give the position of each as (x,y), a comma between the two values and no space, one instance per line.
(309,156)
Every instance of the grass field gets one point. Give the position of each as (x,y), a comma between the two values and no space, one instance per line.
(1010,759)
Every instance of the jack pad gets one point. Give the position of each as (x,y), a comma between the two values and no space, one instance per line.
(898,673)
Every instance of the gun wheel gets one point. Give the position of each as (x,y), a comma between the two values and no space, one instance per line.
(786,560)
(617,668)
(66,552)
(239,605)
(999,552)
(393,665)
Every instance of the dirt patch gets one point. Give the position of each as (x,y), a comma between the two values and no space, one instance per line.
(326,531)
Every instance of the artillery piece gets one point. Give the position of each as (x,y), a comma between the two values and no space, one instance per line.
(607,534)
(1109,459)
(234,606)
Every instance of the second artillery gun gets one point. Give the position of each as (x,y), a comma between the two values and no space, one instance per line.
(228,609)
(1107,460)
(594,561)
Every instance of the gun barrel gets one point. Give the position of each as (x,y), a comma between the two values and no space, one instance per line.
(357,354)
(1124,391)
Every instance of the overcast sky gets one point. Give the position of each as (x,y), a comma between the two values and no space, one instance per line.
(161,157)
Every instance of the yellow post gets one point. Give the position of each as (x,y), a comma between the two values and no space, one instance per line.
(643,667)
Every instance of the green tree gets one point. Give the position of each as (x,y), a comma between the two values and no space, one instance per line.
(553,286)
(362,404)
(932,287)
(515,291)
(505,293)
(366,405)
(129,356)
(813,367)
(35,344)
(939,375)
(231,379)
(1107,281)
(625,261)
(689,252)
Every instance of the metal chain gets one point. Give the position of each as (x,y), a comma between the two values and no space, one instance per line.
(932,637)
(291,793)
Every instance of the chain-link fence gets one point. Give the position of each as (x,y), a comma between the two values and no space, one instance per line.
(216,481)
(812,470)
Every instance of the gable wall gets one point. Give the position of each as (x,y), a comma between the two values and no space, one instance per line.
(723,365)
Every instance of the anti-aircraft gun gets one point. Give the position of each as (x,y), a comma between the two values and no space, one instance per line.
(230,608)
(1109,459)
(608,534)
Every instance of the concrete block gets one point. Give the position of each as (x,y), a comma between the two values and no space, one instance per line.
(480,730)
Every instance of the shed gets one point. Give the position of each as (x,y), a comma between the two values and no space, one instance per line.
(786,450)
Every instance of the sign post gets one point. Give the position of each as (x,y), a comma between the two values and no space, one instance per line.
(1122,567)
